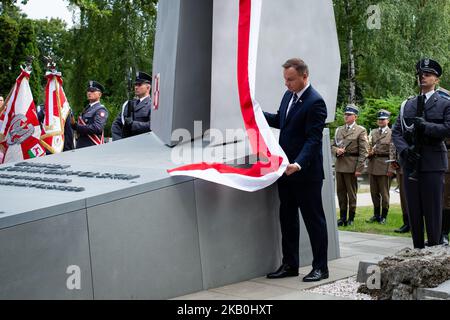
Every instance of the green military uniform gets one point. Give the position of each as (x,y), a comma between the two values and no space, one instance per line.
(378,169)
(354,139)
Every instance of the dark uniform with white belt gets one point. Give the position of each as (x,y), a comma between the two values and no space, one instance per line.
(135,116)
(446,210)
(91,123)
(419,139)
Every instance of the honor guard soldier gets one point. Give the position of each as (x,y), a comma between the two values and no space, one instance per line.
(350,148)
(418,135)
(91,123)
(379,169)
(134,118)
(446,211)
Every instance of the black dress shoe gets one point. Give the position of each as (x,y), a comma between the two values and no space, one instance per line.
(283,272)
(316,275)
(341,223)
(373,219)
(383,221)
(403,229)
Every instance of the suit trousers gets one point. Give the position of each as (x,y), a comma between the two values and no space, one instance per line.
(308,197)
(346,189)
(403,202)
(424,199)
(379,190)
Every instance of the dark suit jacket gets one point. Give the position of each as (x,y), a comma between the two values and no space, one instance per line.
(437,127)
(301,133)
(141,119)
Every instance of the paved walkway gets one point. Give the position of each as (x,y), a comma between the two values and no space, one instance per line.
(354,248)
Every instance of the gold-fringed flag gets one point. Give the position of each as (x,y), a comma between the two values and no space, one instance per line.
(20,131)
(56,111)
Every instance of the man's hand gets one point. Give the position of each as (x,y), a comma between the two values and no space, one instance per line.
(128,122)
(411,155)
(395,165)
(291,168)
(419,124)
(72,119)
(340,151)
(358,174)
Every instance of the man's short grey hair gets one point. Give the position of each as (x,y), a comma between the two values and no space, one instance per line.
(297,64)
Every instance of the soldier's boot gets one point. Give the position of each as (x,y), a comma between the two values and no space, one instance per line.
(376,215)
(445,226)
(351,218)
(343,219)
(384,213)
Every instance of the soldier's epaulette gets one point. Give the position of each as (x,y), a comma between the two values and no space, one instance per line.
(411,97)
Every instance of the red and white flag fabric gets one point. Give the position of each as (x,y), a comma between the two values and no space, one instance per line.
(56,111)
(20,131)
(273,161)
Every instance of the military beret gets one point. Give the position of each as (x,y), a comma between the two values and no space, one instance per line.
(383,114)
(95,86)
(351,109)
(142,77)
(430,66)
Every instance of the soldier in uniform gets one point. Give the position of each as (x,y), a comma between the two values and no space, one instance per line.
(419,136)
(379,169)
(135,119)
(91,123)
(350,148)
(446,210)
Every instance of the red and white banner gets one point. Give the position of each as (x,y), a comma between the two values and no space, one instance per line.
(19,125)
(56,111)
(263,143)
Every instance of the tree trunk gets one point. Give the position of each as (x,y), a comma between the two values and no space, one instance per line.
(351,61)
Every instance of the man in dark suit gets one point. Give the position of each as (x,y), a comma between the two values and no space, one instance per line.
(301,119)
(135,120)
(419,139)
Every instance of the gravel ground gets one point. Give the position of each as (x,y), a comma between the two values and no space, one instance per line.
(346,288)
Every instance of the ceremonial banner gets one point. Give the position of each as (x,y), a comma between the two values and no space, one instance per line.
(272,160)
(19,125)
(56,111)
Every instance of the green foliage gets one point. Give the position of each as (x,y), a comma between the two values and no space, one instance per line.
(386,57)
(112,36)
(8,41)
(368,113)
(393,221)
(27,46)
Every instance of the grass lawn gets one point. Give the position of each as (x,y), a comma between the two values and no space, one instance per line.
(394,221)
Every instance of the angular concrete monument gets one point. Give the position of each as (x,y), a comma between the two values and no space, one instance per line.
(108,222)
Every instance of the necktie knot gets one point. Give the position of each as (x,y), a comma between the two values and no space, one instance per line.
(294,98)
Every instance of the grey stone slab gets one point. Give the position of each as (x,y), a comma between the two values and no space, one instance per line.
(35,257)
(302,295)
(208,295)
(238,231)
(146,246)
(363,273)
(182,53)
(253,290)
(442,292)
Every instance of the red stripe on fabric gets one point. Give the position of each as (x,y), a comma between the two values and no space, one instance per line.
(47,107)
(247,109)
